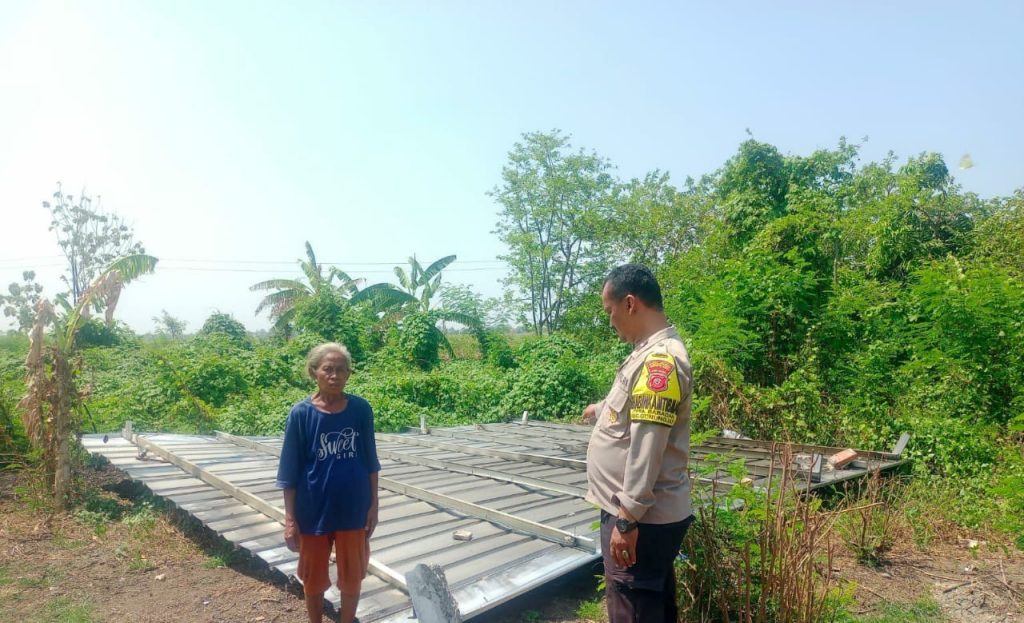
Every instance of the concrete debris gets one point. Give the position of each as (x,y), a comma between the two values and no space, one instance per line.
(432,600)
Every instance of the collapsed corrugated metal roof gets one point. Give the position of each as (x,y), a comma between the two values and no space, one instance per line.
(499,507)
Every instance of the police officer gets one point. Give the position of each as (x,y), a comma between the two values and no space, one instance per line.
(636,460)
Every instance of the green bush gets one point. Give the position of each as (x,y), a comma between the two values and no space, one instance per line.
(95,332)
(328,317)
(13,349)
(261,412)
(497,351)
(224,324)
(550,390)
(419,340)
(456,392)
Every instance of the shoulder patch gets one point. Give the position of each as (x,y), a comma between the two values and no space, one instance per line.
(656,394)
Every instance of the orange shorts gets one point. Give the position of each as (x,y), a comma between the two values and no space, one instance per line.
(353,553)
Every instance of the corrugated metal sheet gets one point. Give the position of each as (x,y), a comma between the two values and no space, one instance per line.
(518,488)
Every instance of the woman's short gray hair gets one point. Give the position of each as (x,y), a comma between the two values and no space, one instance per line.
(317,354)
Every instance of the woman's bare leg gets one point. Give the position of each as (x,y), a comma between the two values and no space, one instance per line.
(349,603)
(315,607)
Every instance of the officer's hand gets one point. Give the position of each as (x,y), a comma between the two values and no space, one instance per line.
(589,414)
(623,547)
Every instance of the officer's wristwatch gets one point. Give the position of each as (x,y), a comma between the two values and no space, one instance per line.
(624,525)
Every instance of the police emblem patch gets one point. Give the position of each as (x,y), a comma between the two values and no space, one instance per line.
(657,374)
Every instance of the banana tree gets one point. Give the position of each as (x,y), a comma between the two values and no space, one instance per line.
(423,283)
(51,399)
(290,292)
(413,293)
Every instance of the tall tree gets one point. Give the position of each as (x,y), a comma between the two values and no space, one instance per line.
(21,300)
(90,238)
(169,326)
(653,221)
(52,398)
(554,202)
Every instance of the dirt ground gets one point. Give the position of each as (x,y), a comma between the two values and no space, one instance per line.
(118,557)
(972,585)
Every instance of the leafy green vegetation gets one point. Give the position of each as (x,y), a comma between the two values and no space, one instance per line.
(822,300)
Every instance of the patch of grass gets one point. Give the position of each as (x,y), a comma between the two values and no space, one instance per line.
(97,521)
(464,345)
(531,616)
(215,562)
(106,505)
(591,610)
(35,582)
(224,556)
(63,610)
(49,577)
(140,563)
(61,541)
(924,610)
(5,576)
(140,521)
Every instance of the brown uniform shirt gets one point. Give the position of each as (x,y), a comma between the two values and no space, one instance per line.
(639,448)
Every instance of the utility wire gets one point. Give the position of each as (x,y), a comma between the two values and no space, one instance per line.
(228,261)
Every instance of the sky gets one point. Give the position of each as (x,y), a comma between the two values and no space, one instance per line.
(230,133)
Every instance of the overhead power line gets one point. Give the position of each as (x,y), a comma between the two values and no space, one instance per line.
(292,262)
(295,271)
(164,267)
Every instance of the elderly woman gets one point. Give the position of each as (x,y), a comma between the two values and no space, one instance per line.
(328,471)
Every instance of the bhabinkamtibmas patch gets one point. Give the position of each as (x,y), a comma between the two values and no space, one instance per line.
(656,395)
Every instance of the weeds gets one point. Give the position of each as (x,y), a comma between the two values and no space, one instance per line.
(924,610)
(757,556)
(61,541)
(869,529)
(49,577)
(224,555)
(63,610)
(97,521)
(590,610)
(139,562)
(140,521)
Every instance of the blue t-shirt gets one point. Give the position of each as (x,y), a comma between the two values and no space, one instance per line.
(328,458)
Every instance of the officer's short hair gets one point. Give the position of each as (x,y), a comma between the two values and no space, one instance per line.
(636,280)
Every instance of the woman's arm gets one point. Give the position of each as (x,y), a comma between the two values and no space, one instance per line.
(371,516)
(291,529)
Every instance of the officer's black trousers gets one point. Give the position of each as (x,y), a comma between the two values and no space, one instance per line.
(645,592)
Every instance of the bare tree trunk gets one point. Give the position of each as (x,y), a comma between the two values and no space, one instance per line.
(62,477)
(61,430)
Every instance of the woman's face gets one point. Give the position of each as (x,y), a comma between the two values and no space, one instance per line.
(332,374)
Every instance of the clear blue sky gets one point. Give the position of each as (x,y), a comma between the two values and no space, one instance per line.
(235,131)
